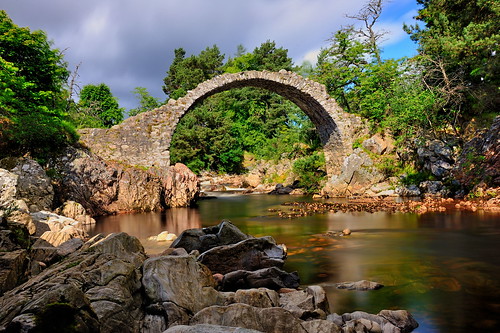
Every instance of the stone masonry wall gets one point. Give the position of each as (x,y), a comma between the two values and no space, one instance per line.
(144,140)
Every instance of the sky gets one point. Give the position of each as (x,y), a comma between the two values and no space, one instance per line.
(130,43)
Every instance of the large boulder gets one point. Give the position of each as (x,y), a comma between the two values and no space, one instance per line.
(104,187)
(180,280)
(95,289)
(248,255)
(357,175)
(24,179)
(203,239)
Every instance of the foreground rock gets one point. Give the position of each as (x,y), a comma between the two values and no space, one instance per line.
(108,187)
(249,255)
(109,285)
(97,288)
(204,239)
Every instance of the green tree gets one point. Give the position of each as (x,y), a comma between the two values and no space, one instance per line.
(253,120)
(265,57)
(32,95)
(146,101)
(98,106)
(458,47)
(390,93)
(185,74)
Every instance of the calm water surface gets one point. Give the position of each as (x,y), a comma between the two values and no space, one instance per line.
(442,267)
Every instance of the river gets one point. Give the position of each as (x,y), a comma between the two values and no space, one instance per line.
(442,267)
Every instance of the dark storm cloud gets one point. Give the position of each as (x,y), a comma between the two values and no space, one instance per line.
(130,43)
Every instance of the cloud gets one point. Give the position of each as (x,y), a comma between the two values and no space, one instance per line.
(128,43)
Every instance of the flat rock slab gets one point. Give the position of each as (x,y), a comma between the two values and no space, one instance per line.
(359,285)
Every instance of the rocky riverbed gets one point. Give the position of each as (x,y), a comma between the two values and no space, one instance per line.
(214,279)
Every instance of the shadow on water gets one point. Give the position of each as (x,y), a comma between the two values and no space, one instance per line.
(442,267)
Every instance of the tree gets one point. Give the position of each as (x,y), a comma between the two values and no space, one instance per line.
(146,101)
(390,93)
(458,47)
(98,103)
(265,57)
(186,73)
(248,119)
(32,95)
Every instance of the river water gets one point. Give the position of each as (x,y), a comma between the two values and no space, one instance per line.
(442,267)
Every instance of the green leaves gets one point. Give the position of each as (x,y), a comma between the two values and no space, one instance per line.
(97,107)
(32,98)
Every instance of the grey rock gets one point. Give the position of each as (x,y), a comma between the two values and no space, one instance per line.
(270,278)
(153,324)
(408,191)
(206,328)
(195,291)
(224,233)
(176,315)
(13,267)
(69,247)
(280,189)
(401,319)
(357,175)
(242,315)
(32,184)
(336,319)
(359,285)
(250,254)
(24,323)
(100,285)
(261,297)
(306,304)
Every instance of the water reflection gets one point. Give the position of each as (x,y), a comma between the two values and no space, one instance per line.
(442,267)
(143,226)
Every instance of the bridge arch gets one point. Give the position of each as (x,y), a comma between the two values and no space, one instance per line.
(145,139)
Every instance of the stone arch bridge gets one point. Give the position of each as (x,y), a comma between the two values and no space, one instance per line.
(144,140)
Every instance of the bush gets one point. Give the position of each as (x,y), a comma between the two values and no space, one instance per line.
(310,171)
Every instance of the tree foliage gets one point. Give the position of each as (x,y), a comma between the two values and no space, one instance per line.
(186,73)
(32,95)
(146,101)
(98,107)
(389,93)
(458,47)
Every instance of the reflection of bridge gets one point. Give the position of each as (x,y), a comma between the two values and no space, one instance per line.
(145,139)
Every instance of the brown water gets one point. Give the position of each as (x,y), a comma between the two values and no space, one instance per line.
(442,267)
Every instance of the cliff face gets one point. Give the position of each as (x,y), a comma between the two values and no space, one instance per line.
(110,187)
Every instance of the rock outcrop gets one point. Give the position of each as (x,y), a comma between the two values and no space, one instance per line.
(357,175)
(109,187)
(96,288)
(24,179)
